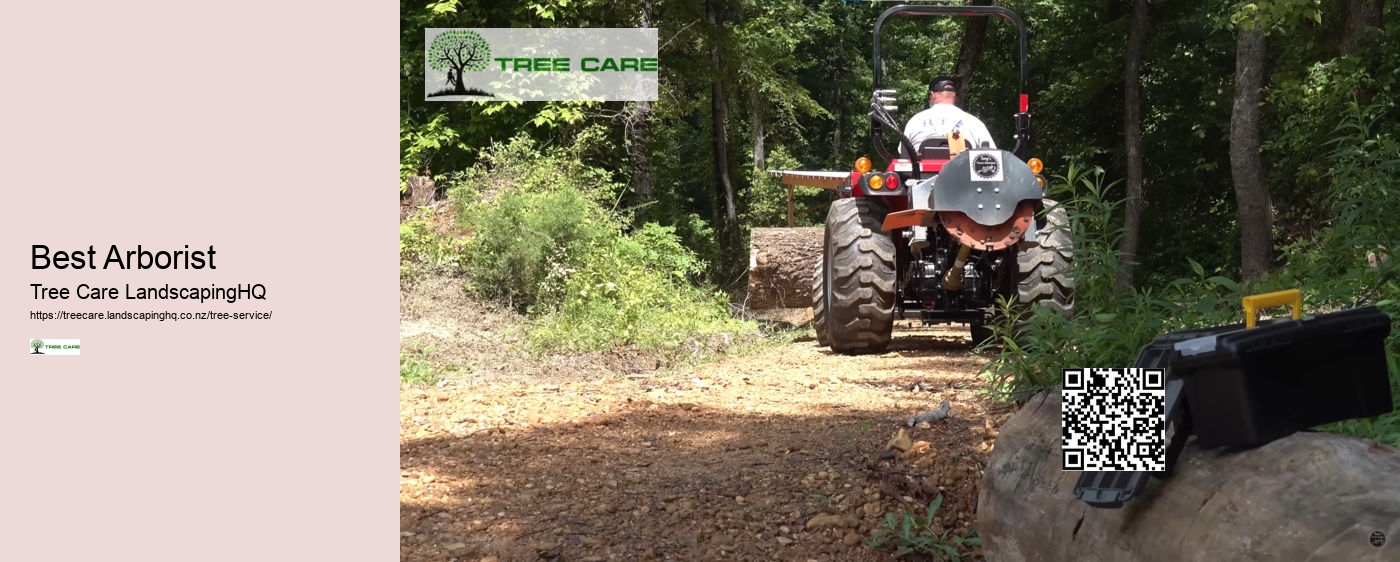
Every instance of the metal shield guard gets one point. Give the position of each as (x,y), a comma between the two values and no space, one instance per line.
(985,184)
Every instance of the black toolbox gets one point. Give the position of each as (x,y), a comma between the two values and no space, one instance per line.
(1112,489)
(1247,387)
(1242,386)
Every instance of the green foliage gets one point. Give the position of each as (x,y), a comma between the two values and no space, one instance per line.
(635,290)
(1337,264)
(424,250)
(1109,326)
(1276,16)
(532,218)
(768,199)
(914,534)
(414,367)
(419,142)
(545,239)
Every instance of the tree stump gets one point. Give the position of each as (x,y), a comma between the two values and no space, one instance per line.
(421,191)
(1309,496)
(781,263)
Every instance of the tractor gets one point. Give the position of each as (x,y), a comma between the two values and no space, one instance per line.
(990,232)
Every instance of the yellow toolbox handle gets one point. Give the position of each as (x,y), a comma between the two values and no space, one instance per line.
(1253,303)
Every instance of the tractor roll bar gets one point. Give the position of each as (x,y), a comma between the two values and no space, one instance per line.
(1023,122)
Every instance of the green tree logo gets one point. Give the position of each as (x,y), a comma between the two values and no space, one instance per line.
(36,344)
(458,51)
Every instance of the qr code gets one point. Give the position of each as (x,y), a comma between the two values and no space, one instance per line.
(1114,420)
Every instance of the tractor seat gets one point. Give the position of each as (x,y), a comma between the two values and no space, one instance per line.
(934,149)
(931,149)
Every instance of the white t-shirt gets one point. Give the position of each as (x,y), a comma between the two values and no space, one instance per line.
(941,119)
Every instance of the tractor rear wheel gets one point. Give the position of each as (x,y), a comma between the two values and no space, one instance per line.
(859,271)
(819,302)
(1043,276)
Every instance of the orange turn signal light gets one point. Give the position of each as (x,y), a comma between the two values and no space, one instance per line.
(862,164)
(1036,165)
(876,182)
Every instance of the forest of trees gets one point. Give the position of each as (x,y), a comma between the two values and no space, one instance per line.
(1205,150)
(1227,120)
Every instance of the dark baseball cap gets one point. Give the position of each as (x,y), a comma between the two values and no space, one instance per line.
(942,84)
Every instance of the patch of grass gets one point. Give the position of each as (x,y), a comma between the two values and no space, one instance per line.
(423,250)
(414,367)
(913,534)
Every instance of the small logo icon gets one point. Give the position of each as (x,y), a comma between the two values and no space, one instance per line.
(51,347)
(492,64)
(986,165)
(458,51)
(1377,538)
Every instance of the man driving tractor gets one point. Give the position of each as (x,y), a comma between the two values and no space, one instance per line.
(942,117)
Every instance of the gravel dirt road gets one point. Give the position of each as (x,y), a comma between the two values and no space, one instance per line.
(781,454)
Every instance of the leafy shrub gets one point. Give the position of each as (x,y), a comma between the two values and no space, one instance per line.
(546,239)
(423,250)
(532,218)
(525,242)
(634,290)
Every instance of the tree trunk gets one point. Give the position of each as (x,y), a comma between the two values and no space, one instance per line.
(639,142)
(759,159)
(1246,162)
(781,261)
(1132,142)
(719,114)
(1308,496)
(836,137)
(639,151)
(1358,16)
(421,192)
(970,53)
(838,101)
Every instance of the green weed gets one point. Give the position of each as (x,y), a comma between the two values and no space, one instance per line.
(414,367)
(913,534)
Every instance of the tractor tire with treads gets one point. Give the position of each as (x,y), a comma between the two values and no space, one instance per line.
(1043,276)
(819,302)
(859,271)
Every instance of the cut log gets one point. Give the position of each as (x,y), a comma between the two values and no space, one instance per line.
(781,261)
(421,191)
(1309,496)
